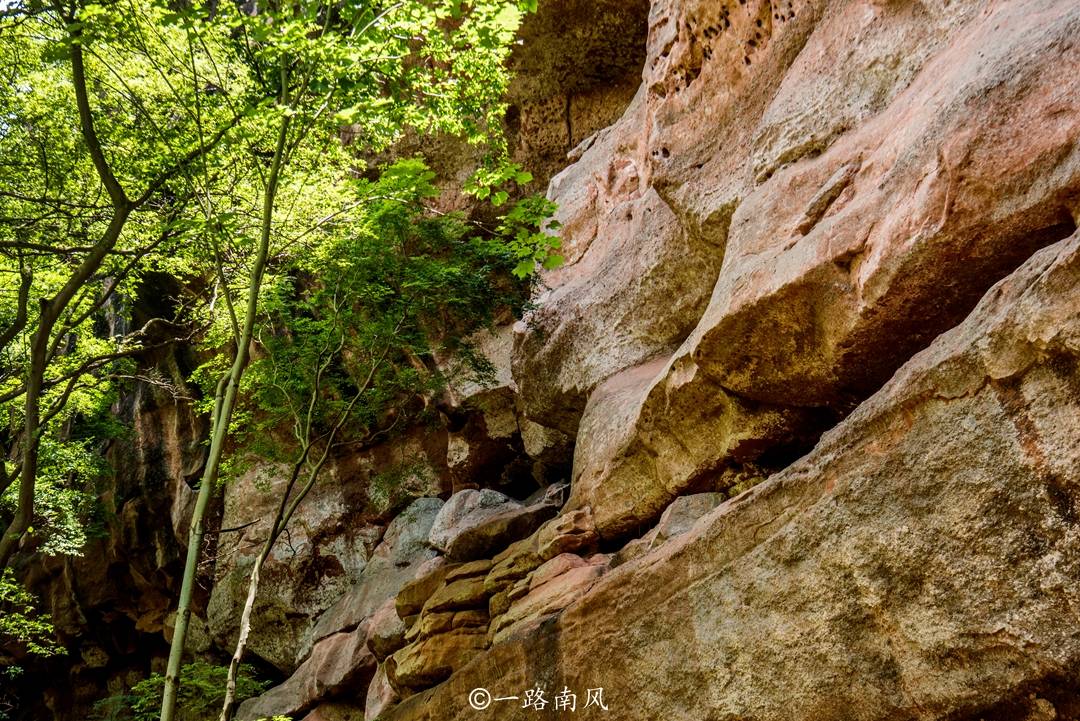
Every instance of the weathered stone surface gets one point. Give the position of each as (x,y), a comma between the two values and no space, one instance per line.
(324,555)
(684,512)
(921,562)
(486,448)
(469,570)
(572,532)
(465,593)
(515,562)
(499,603)
(471,618)
(840,265)
(577,67)
(336,664)
(430,624)
(655,432)
(566,346)
(555,567)
(552,451)
(475,523)
(678,519)
(287,603)
(554,590)
(463,509)
(414,594)
(404,548)
(335,712)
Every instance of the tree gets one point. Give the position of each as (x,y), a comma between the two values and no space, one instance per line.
(433,66)
(206,142)
(342,337)
(92,185)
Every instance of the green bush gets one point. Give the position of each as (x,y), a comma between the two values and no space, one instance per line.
(202,691)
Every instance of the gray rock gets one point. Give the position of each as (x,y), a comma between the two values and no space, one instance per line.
(395,562)
(386,631)
(684,512)
(337,664)
(476,524)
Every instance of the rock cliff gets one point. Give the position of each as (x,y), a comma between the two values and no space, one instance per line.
(816,345)
(793,434)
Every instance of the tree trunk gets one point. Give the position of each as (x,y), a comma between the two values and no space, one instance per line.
(52,309)
(219,430)
(228,708)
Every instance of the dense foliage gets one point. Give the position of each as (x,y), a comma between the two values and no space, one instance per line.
(222,145)
(384,297)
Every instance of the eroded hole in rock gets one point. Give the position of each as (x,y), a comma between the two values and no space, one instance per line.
(780,456)
(716,36)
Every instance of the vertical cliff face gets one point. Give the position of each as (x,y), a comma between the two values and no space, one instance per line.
(792,434)
(827,253)
(113,604)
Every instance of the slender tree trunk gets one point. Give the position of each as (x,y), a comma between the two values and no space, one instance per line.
(31,441)
(39,360)
(219,431)
(228,708)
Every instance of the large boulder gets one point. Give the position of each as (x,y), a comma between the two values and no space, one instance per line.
(386,631)
(337,664)
(432,660)
(545,591)
(654,432)
(608,309)
(922,562)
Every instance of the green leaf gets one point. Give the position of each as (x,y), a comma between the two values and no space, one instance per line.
(553,261)
(525,268)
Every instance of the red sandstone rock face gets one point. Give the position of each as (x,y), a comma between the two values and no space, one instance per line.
(864,171)
(801,197)
(891,234)
(921,562)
